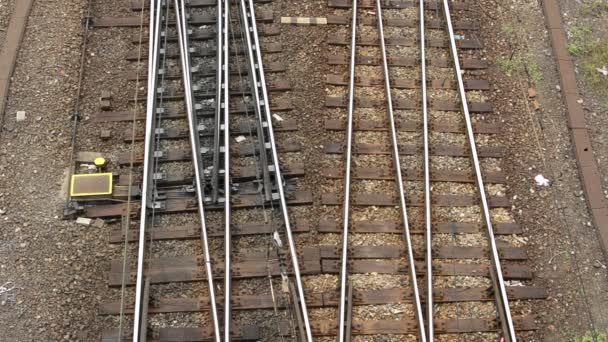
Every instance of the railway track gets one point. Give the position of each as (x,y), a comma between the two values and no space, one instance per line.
(416,181)
(415,231)
(209,117)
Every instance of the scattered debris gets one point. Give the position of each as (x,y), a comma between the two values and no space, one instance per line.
(240,138)
(105,100)
(277,117)
(541,180)
(99,223)
(85,221)
(536,105)
(514,283)
(277,239)
(105,134)
(603,70)
(8,293)
(2,211)
(531,93)
(20,116)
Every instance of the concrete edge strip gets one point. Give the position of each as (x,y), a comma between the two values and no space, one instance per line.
(304,20)
(587,165)
(10,49)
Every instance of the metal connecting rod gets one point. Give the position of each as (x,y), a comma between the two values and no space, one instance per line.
(347,168)
(427,181)
(399,179)
(139,328)
(259,86)
(182,33)
(225,85)
(500,292)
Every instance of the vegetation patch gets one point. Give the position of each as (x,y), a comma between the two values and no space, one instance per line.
(517,64)
(593,57)
(593,7)
(592,336)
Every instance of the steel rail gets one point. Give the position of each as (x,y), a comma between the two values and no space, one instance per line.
(146,191)
(215,172)
(500,292)
(225,85)
(260,86)
(399,179)
(347,168)
(427,180)
(251,66)
(182,33)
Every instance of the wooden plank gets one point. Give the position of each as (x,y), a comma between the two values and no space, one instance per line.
(397,4)
(242,129)
(245,173)
(104,22)
(443,200)
(190,269)
(460,25)
(185,155)
(394,227)
(437,150)
(378,173)
(194,232)
(510,271)
(505,252)
(403,104)
(343,40)
(136,5)
(193,19)
(402,83)
(238,332)
(467,63)
(326,299)
(171,206)
(209,71)
(172,53)
(411,126)
(278,85)
(205,33)
(410,326)
(279,105)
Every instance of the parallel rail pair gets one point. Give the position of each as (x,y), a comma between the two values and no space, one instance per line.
(221,146)
(425,330)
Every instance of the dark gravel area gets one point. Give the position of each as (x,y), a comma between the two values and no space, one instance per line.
(6,9)
(562,243)
(54,264)
(59,269)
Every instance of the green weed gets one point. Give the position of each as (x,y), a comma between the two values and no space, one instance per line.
(592,336)
(596,58)
(593,7)
(580,38)
(508,30)
(510,65)
(534,71)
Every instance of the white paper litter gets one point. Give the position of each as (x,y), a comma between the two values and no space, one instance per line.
(603,70)
(85,221)
(240,138)
(277,117)
(277,239)
(20,116)
(541,180)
